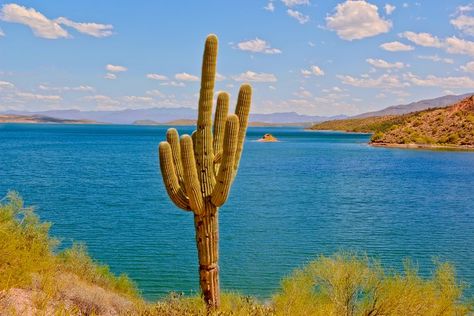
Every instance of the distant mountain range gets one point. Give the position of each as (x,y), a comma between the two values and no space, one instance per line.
(165,115)
(416,106)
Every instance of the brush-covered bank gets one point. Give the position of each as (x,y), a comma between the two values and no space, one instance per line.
(36,279)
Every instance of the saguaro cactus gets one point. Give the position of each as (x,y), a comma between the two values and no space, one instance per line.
(198,170)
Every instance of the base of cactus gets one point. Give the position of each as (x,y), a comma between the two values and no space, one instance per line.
(207,241)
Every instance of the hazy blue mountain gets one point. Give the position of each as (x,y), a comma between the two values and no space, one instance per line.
(416,106)
(163,115)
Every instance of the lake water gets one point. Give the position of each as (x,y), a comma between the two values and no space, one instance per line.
(312,193)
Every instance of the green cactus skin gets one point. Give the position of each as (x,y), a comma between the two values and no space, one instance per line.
(198,170)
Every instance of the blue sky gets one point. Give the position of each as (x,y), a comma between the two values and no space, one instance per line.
(311,57)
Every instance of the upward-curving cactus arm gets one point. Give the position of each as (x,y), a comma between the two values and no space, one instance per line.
(226,170)
(172,138)
(220,117)
(242,110)
(170,179)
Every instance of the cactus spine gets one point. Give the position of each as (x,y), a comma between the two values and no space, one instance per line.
(198,170)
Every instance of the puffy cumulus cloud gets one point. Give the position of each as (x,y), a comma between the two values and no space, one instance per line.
(92,29)
(356,20)
(464,23)
(380,63)
(437,59)
(300,17)
(156,77)
(110,76)
(102,102)
(292,3)
(2,33)
(396,47)
(251,76)
(39,24)
(422,39)
(220,77)
(468,67)
(444,82)
(50,28)
(257,46)
(6,85)
(186,77)
(384,81)
(389,8)
(155,93)
(313,70)
(456,45)
(115,68)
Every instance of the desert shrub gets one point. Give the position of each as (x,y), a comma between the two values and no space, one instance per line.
(377,136)
(76,260)
(350,285)
(25,247)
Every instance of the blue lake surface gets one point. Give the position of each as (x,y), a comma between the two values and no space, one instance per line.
(312,193)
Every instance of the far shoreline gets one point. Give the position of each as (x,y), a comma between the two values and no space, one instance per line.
(424,146)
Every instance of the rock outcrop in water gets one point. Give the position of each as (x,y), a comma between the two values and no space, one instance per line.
(268,138)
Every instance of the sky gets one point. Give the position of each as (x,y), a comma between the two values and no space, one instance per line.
(312,57)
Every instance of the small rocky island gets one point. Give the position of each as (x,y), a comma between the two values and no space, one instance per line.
(268,138)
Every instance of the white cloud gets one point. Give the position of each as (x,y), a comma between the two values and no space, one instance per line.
(6,85)
(138,99)
(186,77)
(396,47)
(110,76)
(156,77)
(47,28)
(444,82)
(313,70)
(251,76)
(311,44)
(115,68)
(81,88)
(2,33)
(38,97)
(39,24)
(257,46)
(220,77)
(270,7)
(356,20)
(302,19)
(436,59)
(422,39)
(380,63)
(92,29)
(384,81)
(173,84)
(456,45)
(468,67)
(103,102)
(155,93)
(389,8)
(292,3)
(464,23)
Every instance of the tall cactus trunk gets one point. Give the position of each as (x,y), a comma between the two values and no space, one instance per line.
(207,241)
(198,170)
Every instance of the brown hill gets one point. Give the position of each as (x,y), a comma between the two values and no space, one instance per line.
(452,126)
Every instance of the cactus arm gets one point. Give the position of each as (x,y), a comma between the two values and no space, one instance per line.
(226,171)
(220,118)
(170,179)
(191,180)
(172,137)
(204,148)
(242,111)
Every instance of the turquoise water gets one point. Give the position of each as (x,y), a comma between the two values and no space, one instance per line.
(311,193)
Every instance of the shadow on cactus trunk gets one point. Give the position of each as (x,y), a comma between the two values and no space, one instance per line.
(198,170)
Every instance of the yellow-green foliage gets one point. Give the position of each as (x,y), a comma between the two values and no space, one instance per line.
(345,284)
(362,125)
(25,247)
(26,253)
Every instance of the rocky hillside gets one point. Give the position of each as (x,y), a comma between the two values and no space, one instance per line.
(449,126)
